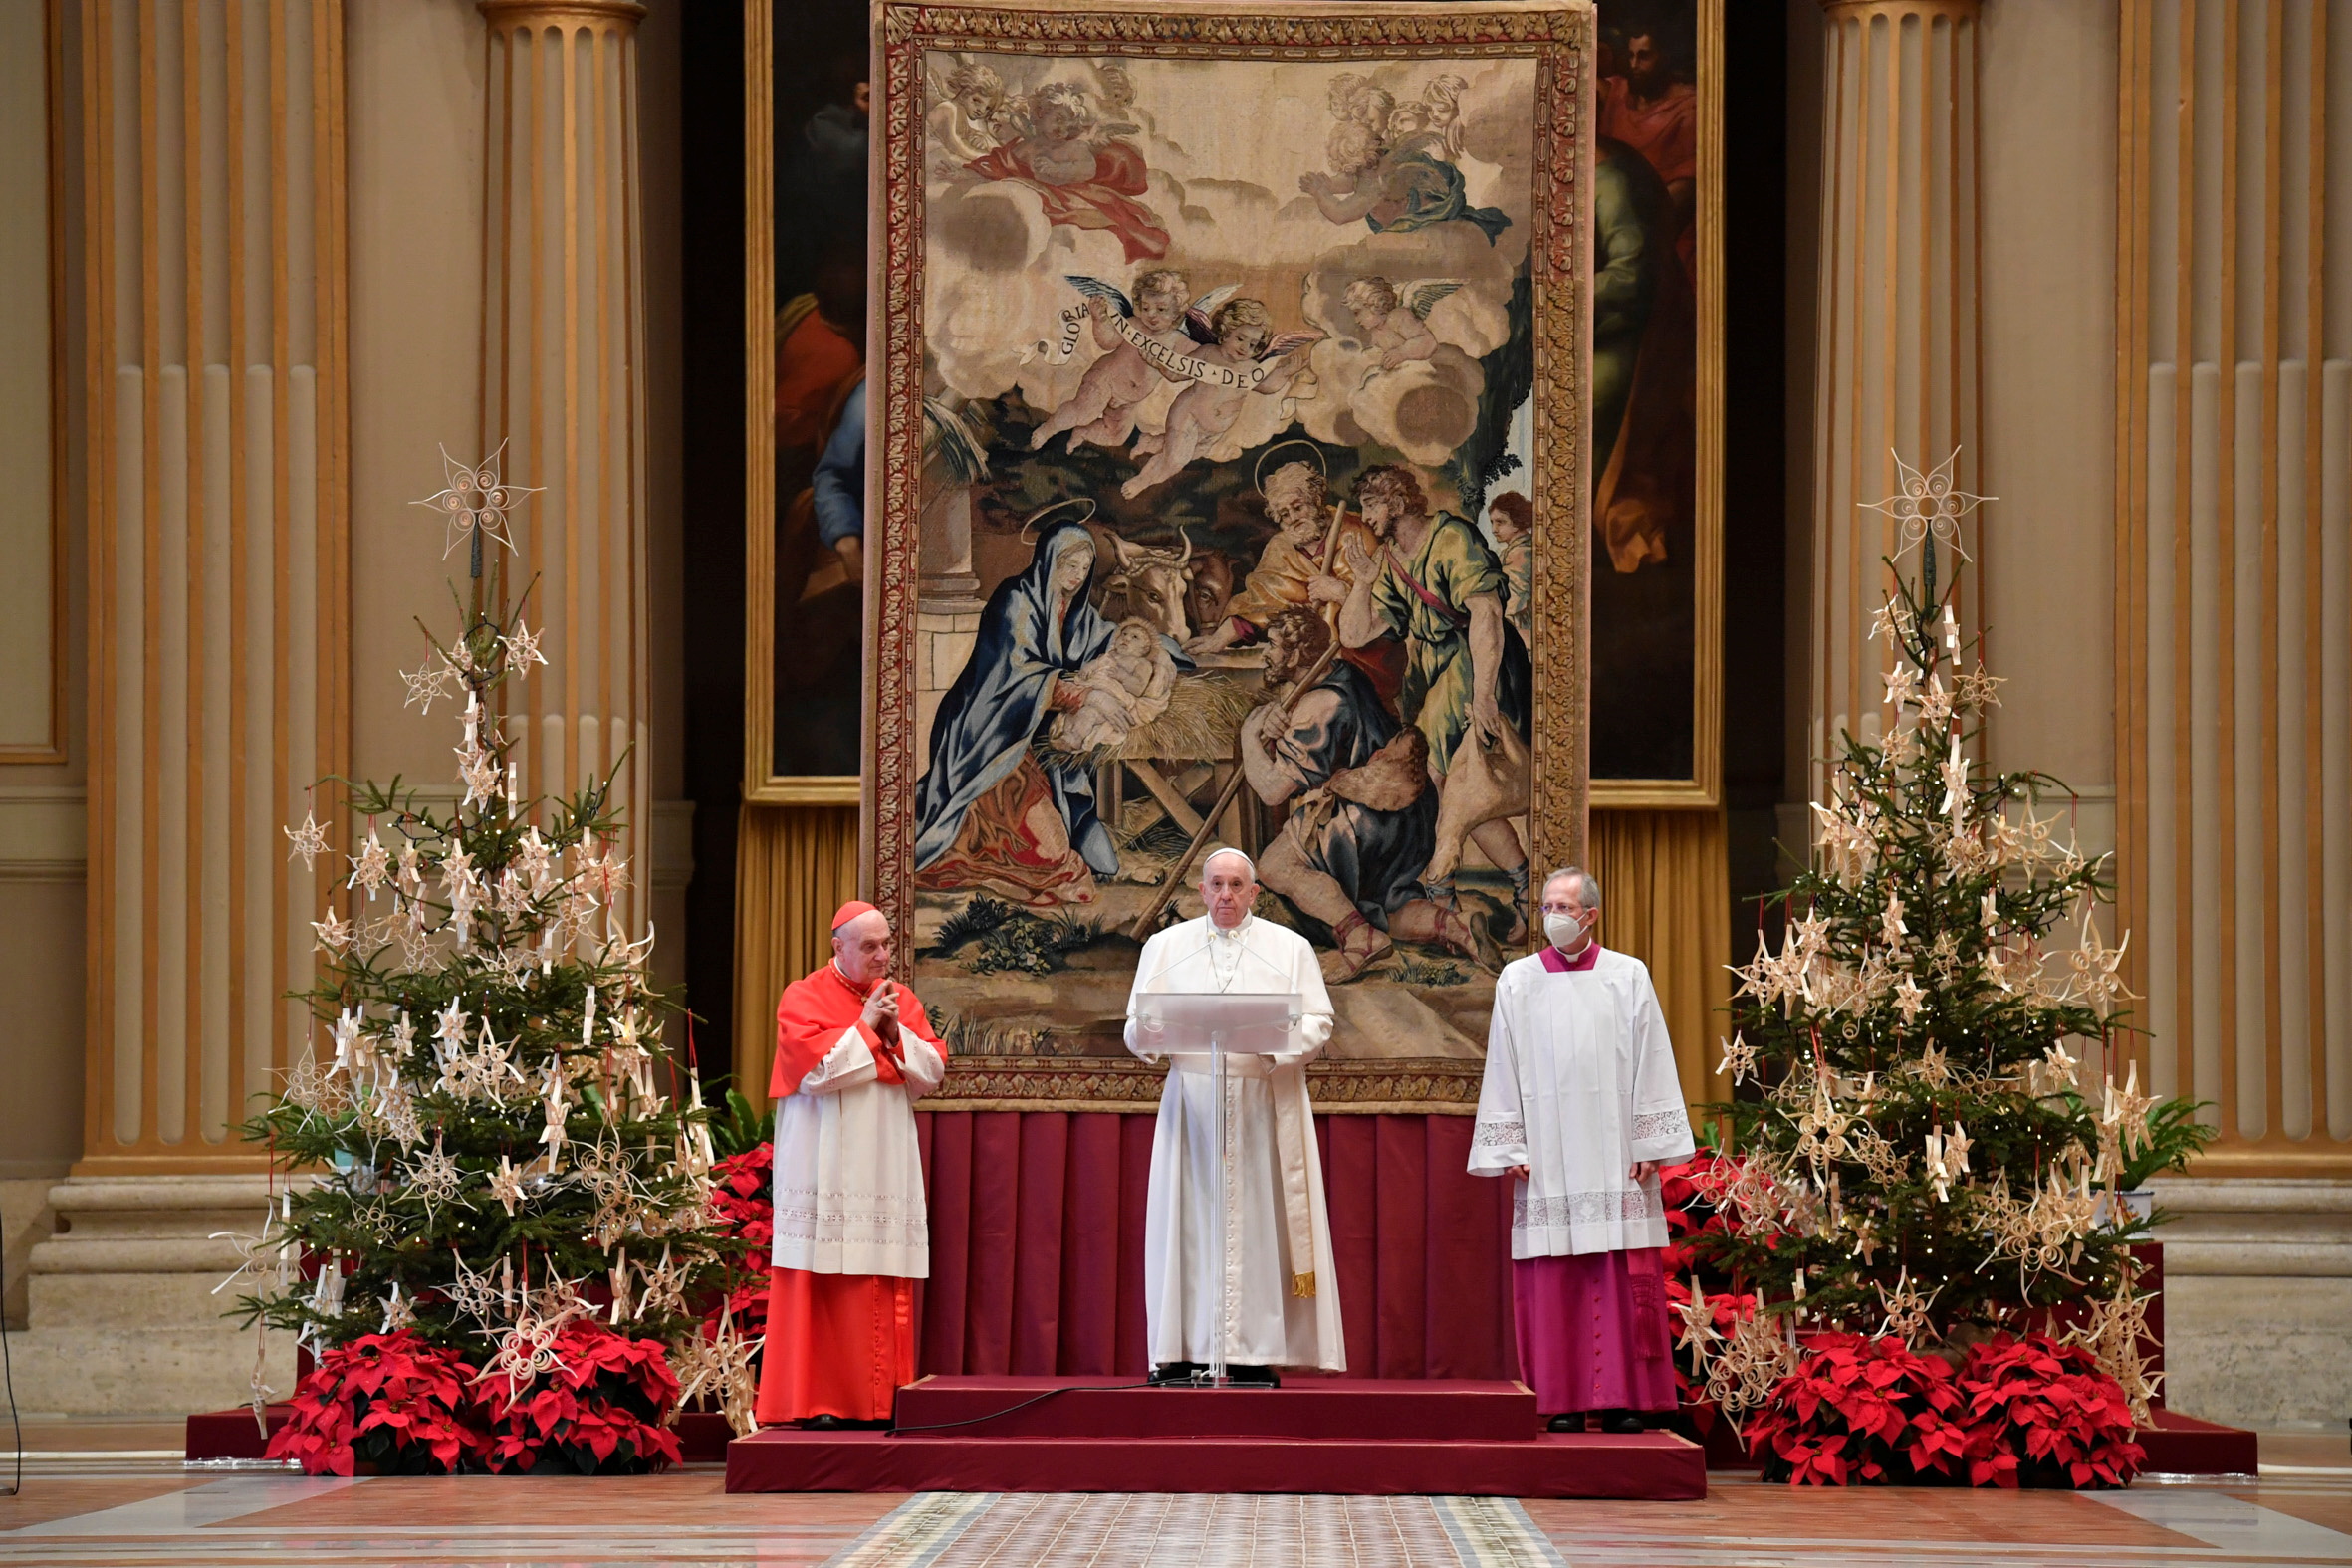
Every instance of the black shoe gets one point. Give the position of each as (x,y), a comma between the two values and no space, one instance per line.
(1568,1421)
(1253,1377)
(1623,1423)
(822,1424)
(1174,1374)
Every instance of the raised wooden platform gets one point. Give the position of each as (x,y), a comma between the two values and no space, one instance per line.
(1344,1435)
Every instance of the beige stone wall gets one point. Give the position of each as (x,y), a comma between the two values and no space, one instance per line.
(416,104)
(2047,561)
(414,116)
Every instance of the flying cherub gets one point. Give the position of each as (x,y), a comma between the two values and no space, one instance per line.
(1230,333)
(975,113)
(1103,409)
(1395,320)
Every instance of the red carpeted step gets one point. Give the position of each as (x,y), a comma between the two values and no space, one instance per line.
(2184,1445)
(1583,1464)
(1448,1408)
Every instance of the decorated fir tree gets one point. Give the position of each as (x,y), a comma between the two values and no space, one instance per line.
(493,1162)
(1914,1156)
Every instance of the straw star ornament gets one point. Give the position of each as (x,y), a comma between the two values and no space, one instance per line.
(1928,504)
(309,841)
(428,684)
(476,502)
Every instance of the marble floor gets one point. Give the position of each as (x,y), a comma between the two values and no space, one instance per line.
(97,1494)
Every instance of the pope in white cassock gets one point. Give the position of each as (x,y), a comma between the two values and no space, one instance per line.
(1580,1107)
(1281,1302)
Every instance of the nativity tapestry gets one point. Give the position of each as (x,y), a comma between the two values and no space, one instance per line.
(1233,490)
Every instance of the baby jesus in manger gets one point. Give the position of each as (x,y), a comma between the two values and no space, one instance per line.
(1129,683)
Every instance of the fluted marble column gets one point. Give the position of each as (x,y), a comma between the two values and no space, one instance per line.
(198,165)
(564,386)
(210,200)
(1896,356)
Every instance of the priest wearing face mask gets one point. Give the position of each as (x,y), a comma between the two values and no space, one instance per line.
(1581,1106)
(853,1053)
(1281,1299)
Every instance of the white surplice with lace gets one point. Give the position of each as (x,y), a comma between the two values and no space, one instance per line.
(849,1170)
(1579,1085)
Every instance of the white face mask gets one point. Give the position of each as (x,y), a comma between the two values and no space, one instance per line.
(1564,930)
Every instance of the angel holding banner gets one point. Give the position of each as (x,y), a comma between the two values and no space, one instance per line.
(1103,409)
(1239,354)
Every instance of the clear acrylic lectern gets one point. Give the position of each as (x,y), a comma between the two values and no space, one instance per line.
(1218,1024)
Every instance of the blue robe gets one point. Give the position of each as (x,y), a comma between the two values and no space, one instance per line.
(997,703)
(1434,194)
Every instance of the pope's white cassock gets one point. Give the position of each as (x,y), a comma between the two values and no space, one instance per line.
(1579,1086)
(1282,1301)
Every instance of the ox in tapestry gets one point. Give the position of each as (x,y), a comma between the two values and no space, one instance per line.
(1229,386)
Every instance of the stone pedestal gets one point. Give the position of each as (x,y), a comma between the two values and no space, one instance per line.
(123,1318)
(947,605)
(2258,1310)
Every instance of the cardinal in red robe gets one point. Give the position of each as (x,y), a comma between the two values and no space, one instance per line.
(853,1051)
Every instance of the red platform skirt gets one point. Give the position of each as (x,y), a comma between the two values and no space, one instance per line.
(838,1345)
(1592,1331)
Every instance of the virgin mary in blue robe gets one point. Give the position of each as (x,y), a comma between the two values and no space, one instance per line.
(1037,627)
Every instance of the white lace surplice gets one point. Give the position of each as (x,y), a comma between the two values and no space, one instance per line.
(1579,1085)
(1266,1321)
(848,1173)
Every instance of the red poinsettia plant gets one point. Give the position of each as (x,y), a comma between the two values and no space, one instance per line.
(388,1402)
(601,1407)
(2019,1412)
(743,1198)
(1860,1410)
(2042,1414)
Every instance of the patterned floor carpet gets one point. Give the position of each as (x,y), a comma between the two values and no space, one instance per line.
(1129,1530)
(97,1498)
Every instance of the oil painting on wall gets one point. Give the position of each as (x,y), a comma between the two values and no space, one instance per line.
(1232,481)
(1656,404)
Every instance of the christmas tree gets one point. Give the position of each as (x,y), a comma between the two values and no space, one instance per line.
(494,1157)
(1914,1156)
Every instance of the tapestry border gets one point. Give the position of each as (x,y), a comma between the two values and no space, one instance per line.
(1048,1084)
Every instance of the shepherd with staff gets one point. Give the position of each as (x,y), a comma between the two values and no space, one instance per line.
(1304,567)
(1295,495)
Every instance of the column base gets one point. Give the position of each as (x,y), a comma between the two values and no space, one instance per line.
(2257,1300)
(122,1315)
